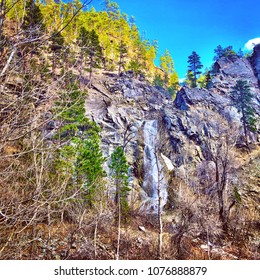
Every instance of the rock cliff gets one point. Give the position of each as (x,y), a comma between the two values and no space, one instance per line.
(121,105)
(255,61)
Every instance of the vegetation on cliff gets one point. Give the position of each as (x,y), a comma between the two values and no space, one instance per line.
(60,196)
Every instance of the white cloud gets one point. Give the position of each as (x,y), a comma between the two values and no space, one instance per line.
(251,43)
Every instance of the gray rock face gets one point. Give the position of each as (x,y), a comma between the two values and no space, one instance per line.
(235,67)
(255,60)
(187,97)
(121,105)
(230,69)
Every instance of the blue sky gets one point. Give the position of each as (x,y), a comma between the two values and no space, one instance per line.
(184,26)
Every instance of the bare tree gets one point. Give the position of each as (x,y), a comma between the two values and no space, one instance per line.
(219,150)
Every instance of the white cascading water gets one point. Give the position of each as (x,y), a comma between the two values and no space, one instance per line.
(153,172)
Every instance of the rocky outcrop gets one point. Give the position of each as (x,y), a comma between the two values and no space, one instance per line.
(121,105)
(255,60)
(189,97)
(228,70)
(234,67)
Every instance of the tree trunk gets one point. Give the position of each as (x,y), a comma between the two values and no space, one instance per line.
(2,16)
(160,229)
(195,77)
(119,67)
(8,61)
(90,70)
(118,228)
(221,185)
(95,237)
(120,64)
(221,206)
(53,62)
(220,193)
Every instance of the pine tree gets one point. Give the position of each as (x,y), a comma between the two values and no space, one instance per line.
(57,41)
(2,17)
(223,52)
(190,80)
(33,20)
(208,80)
(158,81)
(122,49)
(94,52)
(89,163)
(242,99)
(90,46)
(205,80)
(240,53)
(135,66)
(219,51)
(83,41)
(79,158)
(194,66)
(119,168)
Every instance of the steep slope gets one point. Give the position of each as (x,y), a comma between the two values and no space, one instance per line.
(200,137)
(122,105)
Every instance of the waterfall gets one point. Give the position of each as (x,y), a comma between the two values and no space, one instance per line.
(153,171)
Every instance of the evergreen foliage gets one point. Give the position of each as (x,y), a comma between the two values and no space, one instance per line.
(135,66)
(79,158)
(208,80)
(240,53)
(242,100)
(190,80)
(122,49)
(119,168)
(194,66)
(57,42)
(158,81)
(33,19)
(90,47)
(52,181)
(223,52)
(115,32)
(205,80)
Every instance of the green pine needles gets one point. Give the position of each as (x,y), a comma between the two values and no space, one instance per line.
(194,68)
(80,159)
(119,168)
(242,99)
